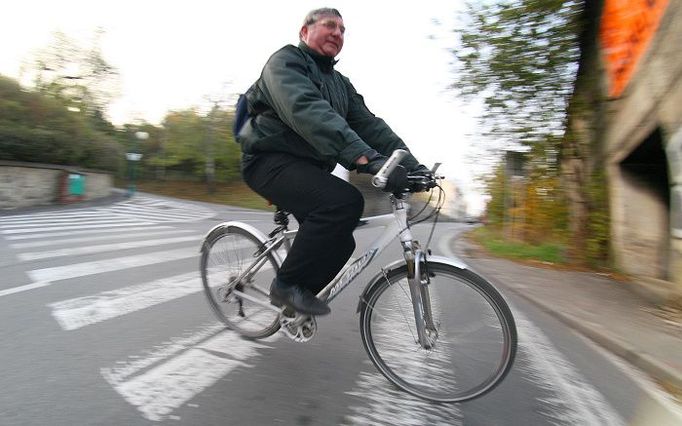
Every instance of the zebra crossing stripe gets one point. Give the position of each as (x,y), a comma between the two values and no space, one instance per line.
(76,270)
(115,224)
(49,216)
(156,212)
(80,240)
(46,235)
(75,221)
(159,390)
(74,251)
(22,288)
(79,312)
(48,219)
(47,276)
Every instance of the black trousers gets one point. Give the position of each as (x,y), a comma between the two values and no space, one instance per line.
(326,207)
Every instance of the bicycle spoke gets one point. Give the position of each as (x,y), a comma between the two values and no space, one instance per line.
(470,352)
(233,261)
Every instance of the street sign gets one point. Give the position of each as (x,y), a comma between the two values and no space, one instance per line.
(132,156)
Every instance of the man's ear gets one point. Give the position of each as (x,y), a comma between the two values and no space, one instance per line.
(303,34)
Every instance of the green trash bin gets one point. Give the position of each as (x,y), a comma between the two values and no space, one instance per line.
(76,185)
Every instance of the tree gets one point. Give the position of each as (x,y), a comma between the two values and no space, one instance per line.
(35,127)
(191,142)
(78,75)
(520,57)
(534,65)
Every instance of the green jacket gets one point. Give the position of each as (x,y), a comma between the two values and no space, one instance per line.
(302,106)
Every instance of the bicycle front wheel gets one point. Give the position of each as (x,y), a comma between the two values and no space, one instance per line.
(472,337)
(226,255)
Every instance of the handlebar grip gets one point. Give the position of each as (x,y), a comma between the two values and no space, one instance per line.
(379,180)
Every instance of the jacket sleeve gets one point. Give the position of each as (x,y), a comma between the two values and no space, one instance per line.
(373,129)
(298,102)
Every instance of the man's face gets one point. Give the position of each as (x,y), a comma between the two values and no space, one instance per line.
(325,36)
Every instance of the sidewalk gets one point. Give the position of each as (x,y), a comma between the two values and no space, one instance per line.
(598,307)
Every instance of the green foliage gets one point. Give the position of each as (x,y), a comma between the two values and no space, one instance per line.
(186,145)
(38,128)
(493,241)
(62,121)
(495,189)
(532,209)
(77,75)
(520,57)
(599,226)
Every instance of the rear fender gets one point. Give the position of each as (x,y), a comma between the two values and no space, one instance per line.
(226,226)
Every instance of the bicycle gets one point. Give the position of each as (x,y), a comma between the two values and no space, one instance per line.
(420,316)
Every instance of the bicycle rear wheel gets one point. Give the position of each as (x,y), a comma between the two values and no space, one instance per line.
(225,255)
(474,341)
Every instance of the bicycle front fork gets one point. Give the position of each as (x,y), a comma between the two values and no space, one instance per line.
(418,281)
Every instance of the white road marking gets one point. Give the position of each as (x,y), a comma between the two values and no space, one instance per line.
(50,216)
(575,401)
(120,236)
(45,235)
(82,311)
(382,402)
(74,227)
(49,219)
(86,250)
(139,209)
(64,272)
(22,288)
(157,391)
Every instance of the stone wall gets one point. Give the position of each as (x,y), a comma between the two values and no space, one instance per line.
(29,184)
(640,126)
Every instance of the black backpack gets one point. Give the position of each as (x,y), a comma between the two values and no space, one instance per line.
(241,115)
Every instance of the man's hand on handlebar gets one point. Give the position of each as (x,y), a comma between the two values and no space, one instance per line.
(370,163)
(421,170)
(397,180)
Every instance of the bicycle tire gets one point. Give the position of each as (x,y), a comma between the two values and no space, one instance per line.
(225,253)
(480,313)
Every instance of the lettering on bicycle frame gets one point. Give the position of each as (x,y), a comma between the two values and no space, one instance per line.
(351,272)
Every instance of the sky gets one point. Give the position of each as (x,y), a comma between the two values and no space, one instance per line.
(174,54)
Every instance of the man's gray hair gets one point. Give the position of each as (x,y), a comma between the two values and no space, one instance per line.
(314,15)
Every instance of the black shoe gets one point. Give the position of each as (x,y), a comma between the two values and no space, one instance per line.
(299,299)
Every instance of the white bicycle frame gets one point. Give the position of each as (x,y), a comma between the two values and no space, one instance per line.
(395,225)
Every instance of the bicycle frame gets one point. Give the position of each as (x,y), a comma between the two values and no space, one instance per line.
(394,225)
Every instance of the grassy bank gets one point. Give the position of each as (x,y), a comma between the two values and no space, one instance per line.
(493,242)
(233,194)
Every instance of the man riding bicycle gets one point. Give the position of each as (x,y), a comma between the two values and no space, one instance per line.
(304,118)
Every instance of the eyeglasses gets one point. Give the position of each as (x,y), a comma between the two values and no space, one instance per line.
(332,25)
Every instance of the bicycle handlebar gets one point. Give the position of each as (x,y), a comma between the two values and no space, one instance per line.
(379,180)
(415,183)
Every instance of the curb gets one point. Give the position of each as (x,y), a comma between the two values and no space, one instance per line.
(598,334)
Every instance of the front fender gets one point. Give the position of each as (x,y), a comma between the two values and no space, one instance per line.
(226,226)
(457,263)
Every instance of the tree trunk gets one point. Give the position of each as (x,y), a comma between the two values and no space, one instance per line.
(580,149)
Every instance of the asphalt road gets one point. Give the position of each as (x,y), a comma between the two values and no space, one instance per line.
(104,323)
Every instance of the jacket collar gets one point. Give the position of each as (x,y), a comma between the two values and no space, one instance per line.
(326,63)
